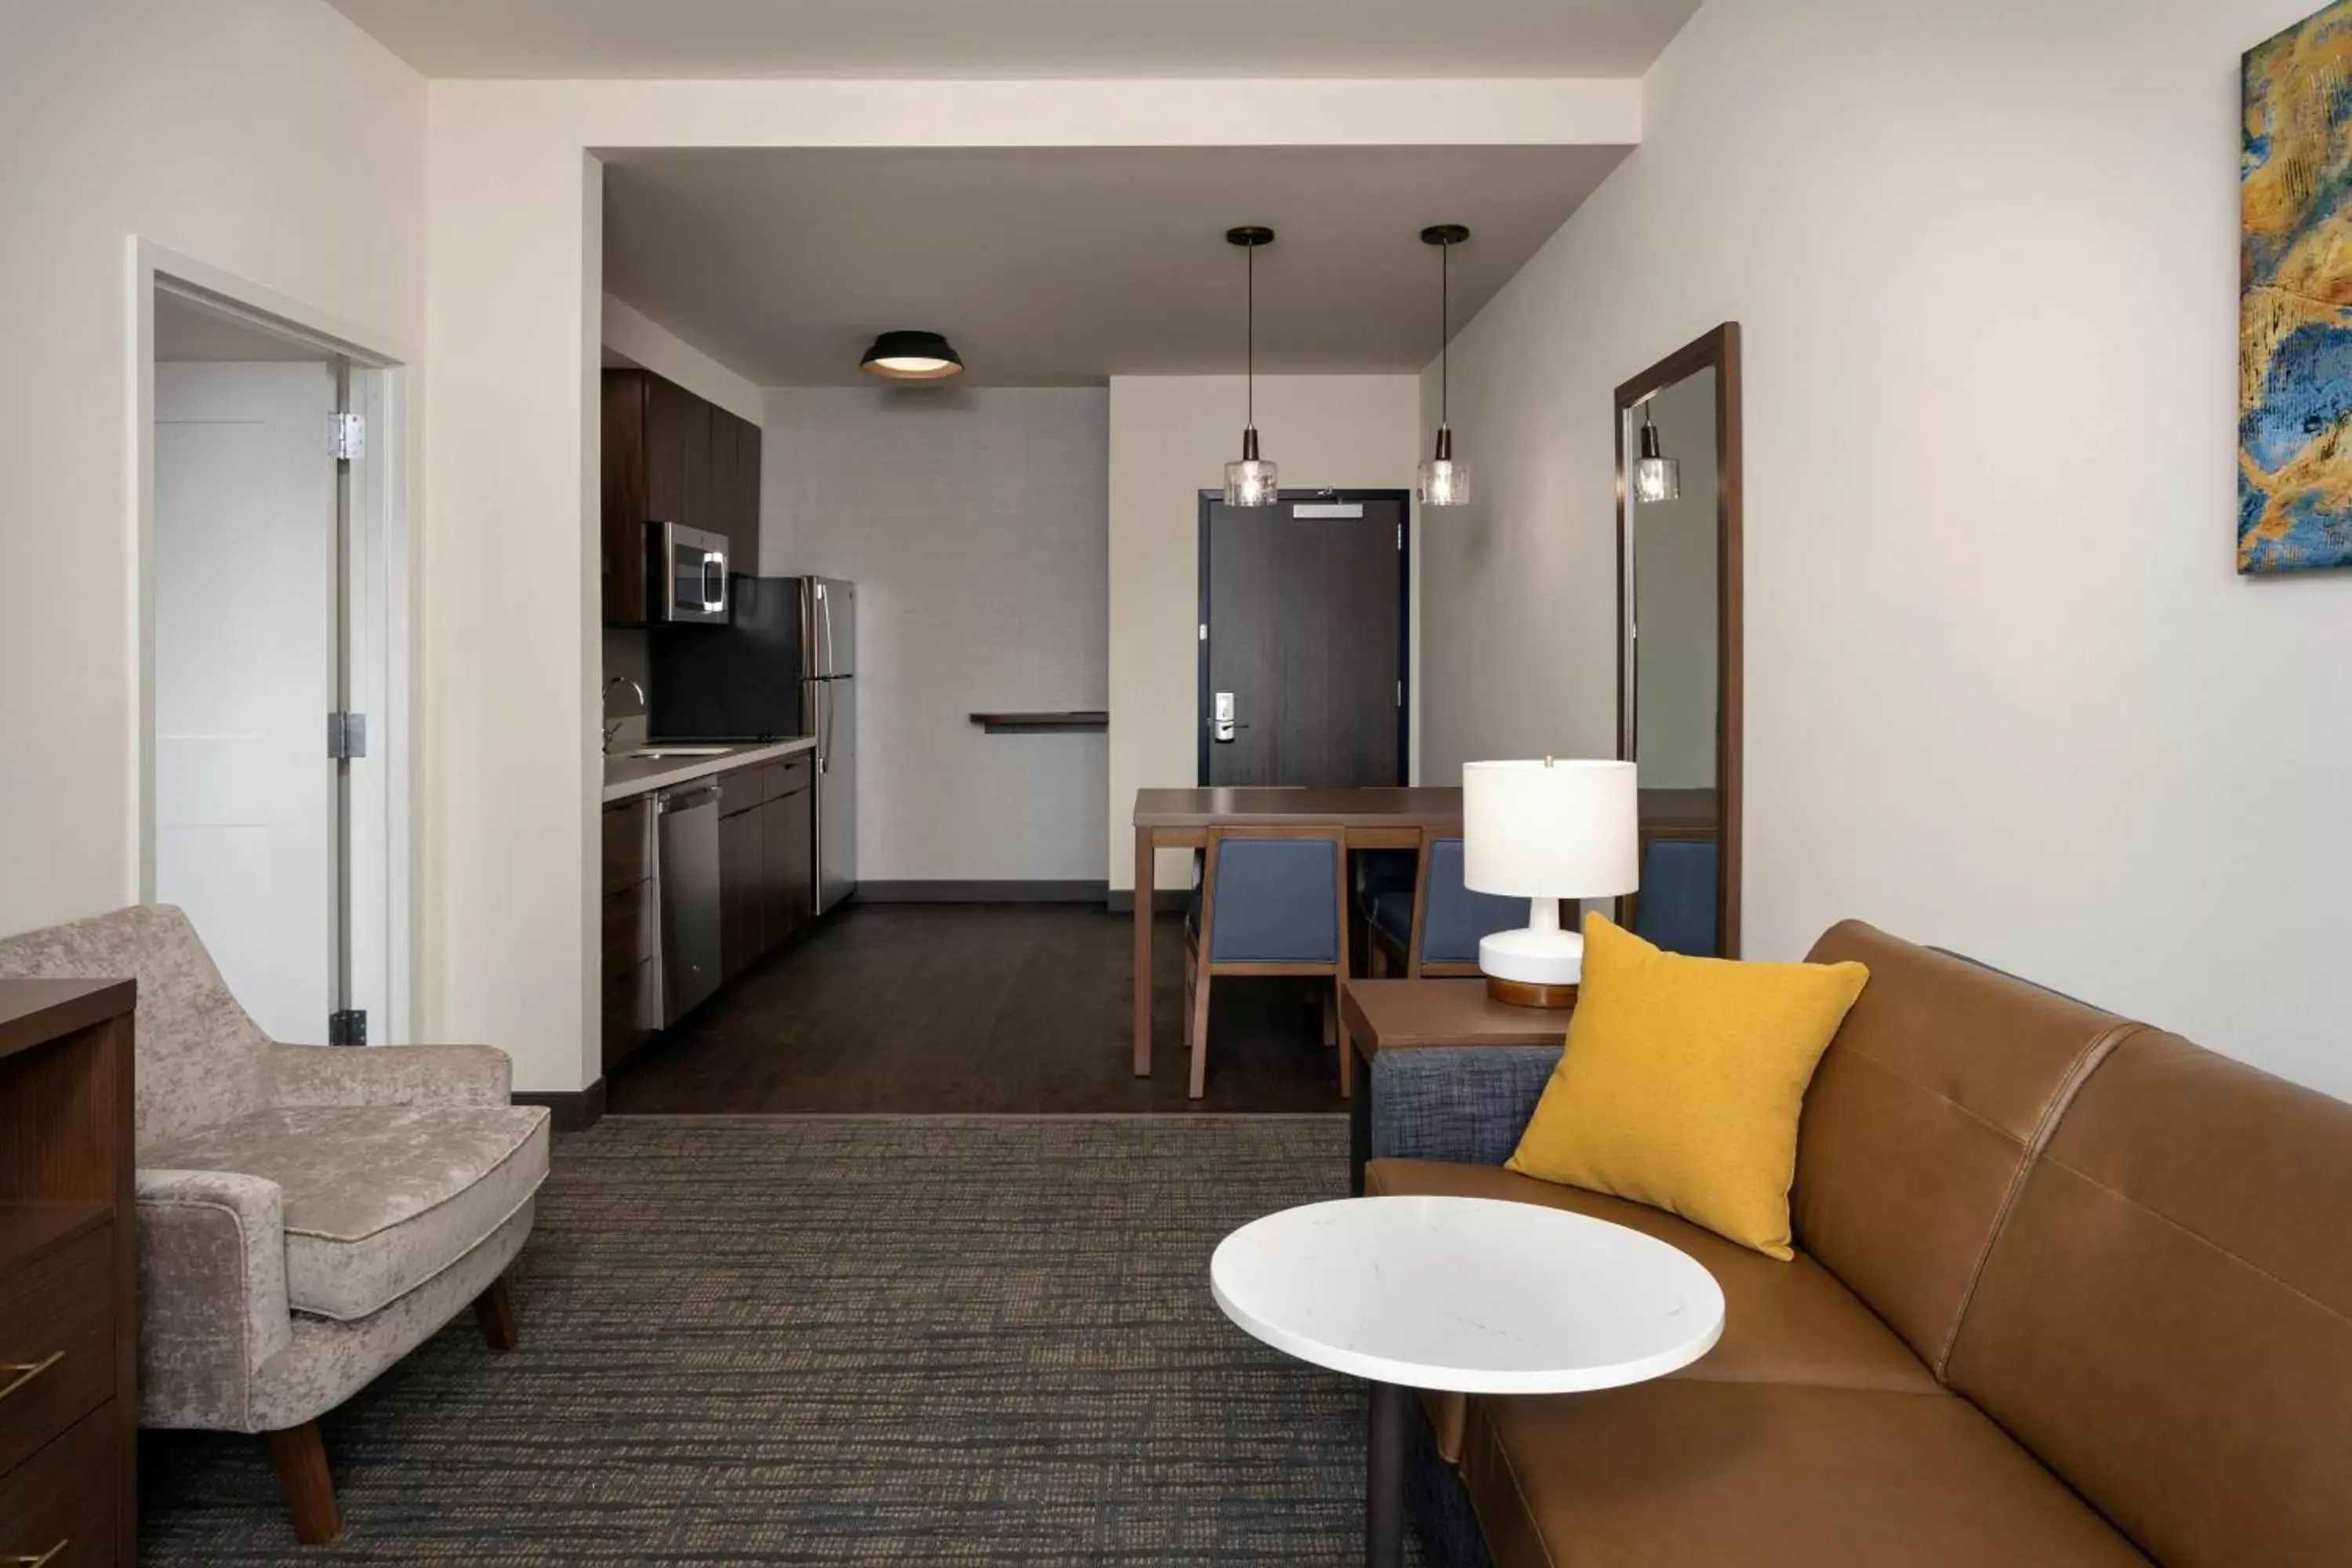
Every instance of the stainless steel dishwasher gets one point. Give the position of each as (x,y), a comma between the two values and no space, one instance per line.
(688,869)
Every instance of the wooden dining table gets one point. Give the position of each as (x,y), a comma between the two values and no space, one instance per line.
(1370,818)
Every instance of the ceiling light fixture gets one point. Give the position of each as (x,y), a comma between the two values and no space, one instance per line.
(1254,481)
(1656,477)
(911,356)
(1444,481)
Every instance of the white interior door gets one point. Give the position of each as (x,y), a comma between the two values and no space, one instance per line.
(245,678)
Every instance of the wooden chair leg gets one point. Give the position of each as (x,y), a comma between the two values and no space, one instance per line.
(494,1309)
(300,1455)
(1346,1057)
(1200,1083)
(1327,997)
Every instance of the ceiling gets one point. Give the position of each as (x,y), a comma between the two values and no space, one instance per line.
(1050,267)
(1032,38)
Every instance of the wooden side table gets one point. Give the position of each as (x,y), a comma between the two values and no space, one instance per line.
(69,1332)
(1377,1016)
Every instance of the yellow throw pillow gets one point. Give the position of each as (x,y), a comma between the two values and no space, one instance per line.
(1682,1079)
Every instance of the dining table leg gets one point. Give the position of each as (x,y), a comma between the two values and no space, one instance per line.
(1144,859)
(1384,1478)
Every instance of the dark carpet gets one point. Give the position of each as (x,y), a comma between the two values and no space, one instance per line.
(788,1341)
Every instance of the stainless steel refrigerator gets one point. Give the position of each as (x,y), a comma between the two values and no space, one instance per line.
(785,663)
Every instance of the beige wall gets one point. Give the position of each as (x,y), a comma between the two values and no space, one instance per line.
(1170,437)
(639,339)
(268,139)
(2005,692)
(516,285)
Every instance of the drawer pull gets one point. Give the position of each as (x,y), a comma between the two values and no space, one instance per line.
(51,1556)
(26,1372)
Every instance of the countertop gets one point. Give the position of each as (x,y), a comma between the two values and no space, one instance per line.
(626,778)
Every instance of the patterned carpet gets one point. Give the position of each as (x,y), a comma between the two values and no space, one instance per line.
(890,1341)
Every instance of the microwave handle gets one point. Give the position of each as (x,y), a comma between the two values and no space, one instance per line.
(714,582)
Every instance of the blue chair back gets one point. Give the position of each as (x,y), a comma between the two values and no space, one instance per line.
(1677,908)
(1276,900)
(1457,918)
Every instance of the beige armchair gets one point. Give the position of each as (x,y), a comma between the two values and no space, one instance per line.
(308,1214)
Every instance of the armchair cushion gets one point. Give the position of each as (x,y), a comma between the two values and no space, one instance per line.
(388,1074)
(378,1200)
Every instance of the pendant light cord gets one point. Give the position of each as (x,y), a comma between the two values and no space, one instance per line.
(1249,338)
(1445,333)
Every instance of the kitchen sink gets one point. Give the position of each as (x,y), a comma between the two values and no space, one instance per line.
(656,754)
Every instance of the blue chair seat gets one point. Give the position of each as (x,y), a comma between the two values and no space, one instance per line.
(1676,911)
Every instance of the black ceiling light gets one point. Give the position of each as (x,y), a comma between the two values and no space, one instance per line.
(911,356)
(1443,480)
(1254,481)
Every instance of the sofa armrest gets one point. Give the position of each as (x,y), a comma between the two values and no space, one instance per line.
(389,1075)
(1464,1104)
(212,1294)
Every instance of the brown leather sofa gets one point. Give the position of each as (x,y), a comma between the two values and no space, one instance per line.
(2069,1290)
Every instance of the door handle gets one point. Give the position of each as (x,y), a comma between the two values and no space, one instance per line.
(1222,725)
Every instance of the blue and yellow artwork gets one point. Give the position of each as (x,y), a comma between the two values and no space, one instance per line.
(2295,426)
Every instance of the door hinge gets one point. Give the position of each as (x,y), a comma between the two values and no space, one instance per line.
(1400,536)
(346,436)
(347,1027)
(1204,631)
(346,736)
(1399,693)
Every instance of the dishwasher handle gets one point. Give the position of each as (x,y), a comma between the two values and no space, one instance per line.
(686,799)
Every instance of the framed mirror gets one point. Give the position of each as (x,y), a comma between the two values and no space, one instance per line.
(1678,639)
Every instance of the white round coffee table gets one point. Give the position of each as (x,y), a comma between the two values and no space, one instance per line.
(1464,1295)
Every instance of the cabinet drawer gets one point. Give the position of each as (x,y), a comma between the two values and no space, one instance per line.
(625,860)
(629,927)
(55,1315)
(780,779)
(738,791)
(61,1501)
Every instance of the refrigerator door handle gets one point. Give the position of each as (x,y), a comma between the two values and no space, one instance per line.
(829,669)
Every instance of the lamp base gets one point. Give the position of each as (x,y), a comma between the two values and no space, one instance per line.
(1526,993)
(1539,955)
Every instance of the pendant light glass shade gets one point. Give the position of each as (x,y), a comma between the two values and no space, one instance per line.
(1444,481)
(1444,478)
(911,356)
(1254,481)
(1656,477)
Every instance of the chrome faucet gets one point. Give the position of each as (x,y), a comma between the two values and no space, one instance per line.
(612,726)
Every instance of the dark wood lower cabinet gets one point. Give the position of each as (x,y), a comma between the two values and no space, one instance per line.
(741,940)
(788,861)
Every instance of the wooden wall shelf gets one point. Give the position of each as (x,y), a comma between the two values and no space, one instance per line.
(1038,723)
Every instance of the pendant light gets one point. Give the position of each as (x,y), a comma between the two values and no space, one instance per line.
(1443,480)
(911,356)
(1254,481)
(1656,477)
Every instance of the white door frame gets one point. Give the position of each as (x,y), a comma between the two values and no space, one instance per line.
(380,899)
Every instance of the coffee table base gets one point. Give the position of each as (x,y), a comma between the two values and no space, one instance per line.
(1384,1477)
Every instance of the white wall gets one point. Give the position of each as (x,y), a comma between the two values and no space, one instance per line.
(2004,690)
(269,139)
(516,281)
(644,342)
(972,519)
(1170,437)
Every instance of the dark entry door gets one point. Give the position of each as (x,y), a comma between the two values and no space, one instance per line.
(1304,604)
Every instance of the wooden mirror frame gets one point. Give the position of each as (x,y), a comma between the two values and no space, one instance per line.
(1720,350)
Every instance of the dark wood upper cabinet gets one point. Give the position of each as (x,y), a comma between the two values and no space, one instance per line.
(670,456)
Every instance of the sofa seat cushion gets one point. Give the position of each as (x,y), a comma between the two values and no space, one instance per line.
(377,1200)
(1678,1472)
(1782,1323)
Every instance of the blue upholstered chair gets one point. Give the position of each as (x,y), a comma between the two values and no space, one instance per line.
(1433,927)
(1675,908)
(1270,901)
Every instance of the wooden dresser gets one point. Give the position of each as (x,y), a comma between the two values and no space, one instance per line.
(69,1331)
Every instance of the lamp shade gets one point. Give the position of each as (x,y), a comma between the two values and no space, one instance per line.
(1551,829)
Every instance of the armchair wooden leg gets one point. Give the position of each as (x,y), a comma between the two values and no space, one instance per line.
(494,1308)
(1200,1082)
(1328,998)
(300,1455)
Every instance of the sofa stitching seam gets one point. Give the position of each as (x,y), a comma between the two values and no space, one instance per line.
(496,1166)
(525,1201)
(2078,1072)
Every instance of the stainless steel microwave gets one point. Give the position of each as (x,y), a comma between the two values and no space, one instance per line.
(686,575)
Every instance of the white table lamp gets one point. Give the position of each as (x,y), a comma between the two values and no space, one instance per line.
(1546,831)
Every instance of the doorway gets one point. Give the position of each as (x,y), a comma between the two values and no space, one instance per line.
(273,816)
(1305,639)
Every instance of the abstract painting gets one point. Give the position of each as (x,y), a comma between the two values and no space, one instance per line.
(2295,426)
